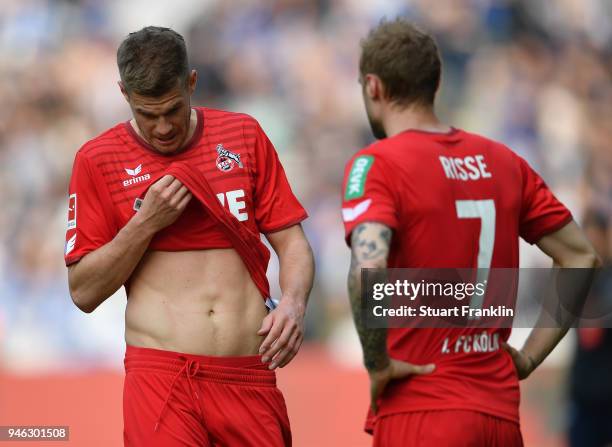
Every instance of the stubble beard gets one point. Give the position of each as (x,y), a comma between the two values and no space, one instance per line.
(377,128)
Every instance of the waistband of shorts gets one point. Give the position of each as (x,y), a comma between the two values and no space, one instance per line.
(244,370)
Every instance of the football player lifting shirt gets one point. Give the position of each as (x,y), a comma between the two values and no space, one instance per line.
(172,204)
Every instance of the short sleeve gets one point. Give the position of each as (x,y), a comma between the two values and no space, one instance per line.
(541,212)
(89,226)
(276,207)
(367,195)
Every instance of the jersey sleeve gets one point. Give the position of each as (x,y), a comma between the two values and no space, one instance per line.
(276,207)
(367,195)
(89,226)
(541,212)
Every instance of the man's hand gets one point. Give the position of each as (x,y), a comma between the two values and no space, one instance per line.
(523,363)
(396,369)
(284,327)
(163,203)
(100,273)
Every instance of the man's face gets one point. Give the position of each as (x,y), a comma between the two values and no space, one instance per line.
(164,120)
(372,109)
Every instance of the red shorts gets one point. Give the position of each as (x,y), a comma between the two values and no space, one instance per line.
(446,428)
(172,399)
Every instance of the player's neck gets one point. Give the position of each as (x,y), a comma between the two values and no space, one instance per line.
(412,118)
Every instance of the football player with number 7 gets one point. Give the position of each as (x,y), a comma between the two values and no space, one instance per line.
(428,195)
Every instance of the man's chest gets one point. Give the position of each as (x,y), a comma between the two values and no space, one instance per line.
(228,170)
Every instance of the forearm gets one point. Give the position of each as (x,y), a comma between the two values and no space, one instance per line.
(100,273)
(565,296)
(373,341)
(541,342)
(296,270)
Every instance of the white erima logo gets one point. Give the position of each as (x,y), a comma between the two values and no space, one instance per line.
(134,172)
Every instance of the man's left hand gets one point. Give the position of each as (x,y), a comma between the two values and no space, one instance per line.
(523,363)
(284,327)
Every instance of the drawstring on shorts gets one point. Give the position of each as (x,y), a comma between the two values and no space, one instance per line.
(191,368)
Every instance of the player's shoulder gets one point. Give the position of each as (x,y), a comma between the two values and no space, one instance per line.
(379,155)
(220,118)
(109,141)
(493,147)
(375,150)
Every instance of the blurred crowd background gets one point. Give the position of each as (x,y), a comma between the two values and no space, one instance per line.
(534,74)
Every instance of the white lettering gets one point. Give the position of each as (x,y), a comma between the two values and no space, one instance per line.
(358,169)
(446,165)
(481,342)
(235,206)
(474,173)
(459,165)
(221,197)
(466,168)
(483,166)
(133,181)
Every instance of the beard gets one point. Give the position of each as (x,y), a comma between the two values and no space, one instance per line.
(377,128)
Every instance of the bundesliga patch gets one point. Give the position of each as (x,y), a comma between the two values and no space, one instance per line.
(72,204)
(355,186)
(226,160)
(137,204)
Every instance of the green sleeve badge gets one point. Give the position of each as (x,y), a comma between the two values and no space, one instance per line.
(355,186)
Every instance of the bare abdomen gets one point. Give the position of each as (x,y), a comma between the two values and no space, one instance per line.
(199,302)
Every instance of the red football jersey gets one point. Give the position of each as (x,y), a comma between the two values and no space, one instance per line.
(230,149)
(453,200)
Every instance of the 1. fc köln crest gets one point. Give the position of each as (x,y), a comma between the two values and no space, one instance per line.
(226,160)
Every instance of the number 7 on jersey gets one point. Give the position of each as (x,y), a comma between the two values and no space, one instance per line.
(485,211)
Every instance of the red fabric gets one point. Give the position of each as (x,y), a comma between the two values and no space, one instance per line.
(173,399)
(446,429)
(412,187)
(111,170)
(590,338)
(248,244)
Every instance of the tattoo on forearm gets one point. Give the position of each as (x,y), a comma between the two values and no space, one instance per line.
(370,242)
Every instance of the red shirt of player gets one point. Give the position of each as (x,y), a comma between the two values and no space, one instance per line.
(230,149)
(454,200)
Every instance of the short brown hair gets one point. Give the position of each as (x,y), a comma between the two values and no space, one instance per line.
(405,58)
(152,60)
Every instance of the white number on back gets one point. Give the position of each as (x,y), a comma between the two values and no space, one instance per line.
(485,211)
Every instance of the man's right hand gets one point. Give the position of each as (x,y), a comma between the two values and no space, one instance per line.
(396,369)
(101,272)
(163,203)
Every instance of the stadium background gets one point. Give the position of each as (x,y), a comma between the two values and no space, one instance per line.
(534,74)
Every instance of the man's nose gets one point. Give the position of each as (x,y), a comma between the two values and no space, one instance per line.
(163,127)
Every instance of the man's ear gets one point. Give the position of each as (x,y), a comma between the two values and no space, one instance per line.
(374,87)
(124,91)
(192,81)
